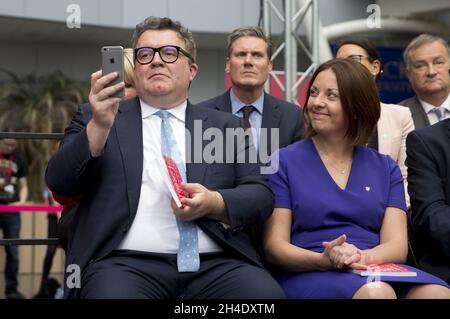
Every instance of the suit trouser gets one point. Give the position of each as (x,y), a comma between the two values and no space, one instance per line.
(10,224)
(130,274)
(51,249)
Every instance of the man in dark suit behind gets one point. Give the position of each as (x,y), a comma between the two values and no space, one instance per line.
(127,238)
(427,61)
(428,161)
(249,65)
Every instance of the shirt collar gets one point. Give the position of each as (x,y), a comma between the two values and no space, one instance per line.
(429,107)
(178,112)
(236,104)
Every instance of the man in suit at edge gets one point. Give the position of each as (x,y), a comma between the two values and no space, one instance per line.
(249,65)
(126,233)
(427,60)
(428,161)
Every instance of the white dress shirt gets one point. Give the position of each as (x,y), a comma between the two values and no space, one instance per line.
(154,228)
(432,117)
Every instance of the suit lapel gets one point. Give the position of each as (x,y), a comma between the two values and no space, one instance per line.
(418,114)
(223,102)
(128,128)
(195,168)
(271,113)
(448,129)
(270,119)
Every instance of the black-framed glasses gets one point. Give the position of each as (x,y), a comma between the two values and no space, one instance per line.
(357,57)
(167,53)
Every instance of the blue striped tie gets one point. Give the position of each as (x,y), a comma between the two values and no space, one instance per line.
(188,259)
(440,112)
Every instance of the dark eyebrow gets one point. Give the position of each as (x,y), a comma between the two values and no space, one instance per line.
(252,52)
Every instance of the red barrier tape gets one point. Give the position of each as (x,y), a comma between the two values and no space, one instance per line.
(30,208)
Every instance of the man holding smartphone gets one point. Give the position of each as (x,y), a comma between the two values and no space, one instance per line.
(129,240)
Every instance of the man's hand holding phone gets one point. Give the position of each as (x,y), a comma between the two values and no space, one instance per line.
(101,97)
(104,109)
(107,90)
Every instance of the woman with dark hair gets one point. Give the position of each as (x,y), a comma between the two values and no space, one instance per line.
(340,205)
(395,123)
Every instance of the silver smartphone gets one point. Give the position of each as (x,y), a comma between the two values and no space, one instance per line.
(112,61)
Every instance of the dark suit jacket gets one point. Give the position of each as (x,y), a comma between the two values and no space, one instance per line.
(428,161)
(286,116)
(109,185)
(419,116)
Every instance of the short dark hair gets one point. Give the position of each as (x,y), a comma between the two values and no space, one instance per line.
(156,23)
(256,32)
(366,45)
(358,95)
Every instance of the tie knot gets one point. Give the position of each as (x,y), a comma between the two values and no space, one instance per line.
(440,112)
(246,110)
(164,115)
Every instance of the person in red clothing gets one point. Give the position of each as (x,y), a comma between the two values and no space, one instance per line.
(13,191)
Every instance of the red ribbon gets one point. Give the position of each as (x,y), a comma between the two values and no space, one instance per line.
(30,208)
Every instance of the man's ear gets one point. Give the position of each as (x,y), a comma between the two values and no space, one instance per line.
(407,73)
(227,66)
(194,69)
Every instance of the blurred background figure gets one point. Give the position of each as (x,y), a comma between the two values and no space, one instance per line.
(427,60)
(395,123)
(248,65)
(13,191)
(130,91)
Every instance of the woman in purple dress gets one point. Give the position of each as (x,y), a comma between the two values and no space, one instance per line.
(340,205)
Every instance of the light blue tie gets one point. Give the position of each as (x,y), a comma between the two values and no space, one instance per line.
(188,259)
(440,112)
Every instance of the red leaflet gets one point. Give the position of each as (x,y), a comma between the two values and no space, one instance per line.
(176,179)
(390,270)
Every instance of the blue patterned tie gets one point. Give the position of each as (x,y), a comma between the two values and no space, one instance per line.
(440,112)
(188,259)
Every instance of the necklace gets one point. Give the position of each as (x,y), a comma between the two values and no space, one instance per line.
(342,164)
(341,168)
